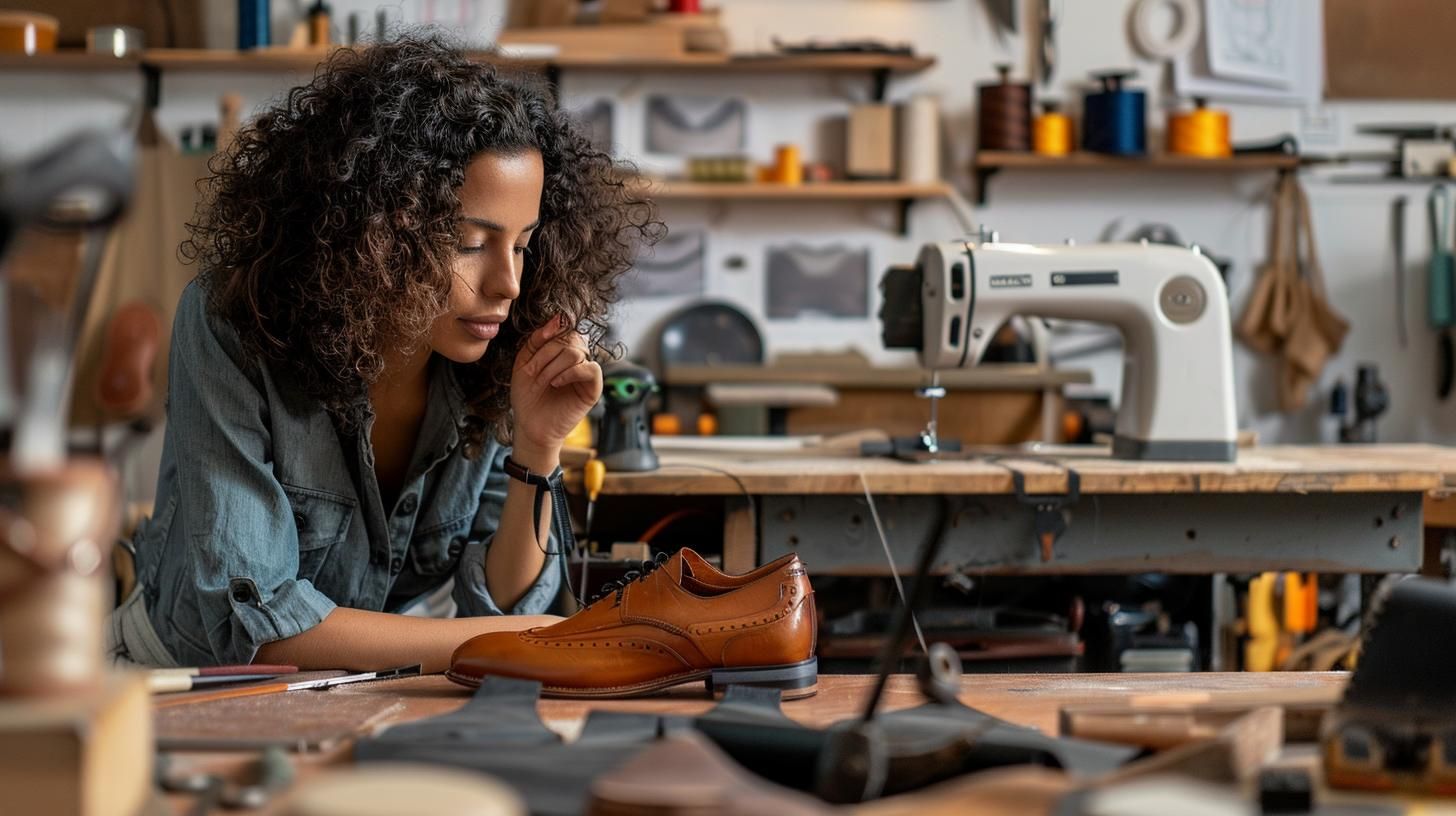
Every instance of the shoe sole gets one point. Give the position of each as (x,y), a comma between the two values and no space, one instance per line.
(794,681)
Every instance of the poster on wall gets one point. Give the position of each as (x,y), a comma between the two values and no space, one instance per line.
(674,267)
(696,126)
(1253,41)
(823,281)
(1247,55)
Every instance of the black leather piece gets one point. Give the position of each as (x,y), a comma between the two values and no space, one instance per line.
(499,733)
(1407,663)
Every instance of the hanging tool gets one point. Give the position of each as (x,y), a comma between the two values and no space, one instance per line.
(1003,13)
(1397,239)
(1441,286)
(593,476)
(1047,54)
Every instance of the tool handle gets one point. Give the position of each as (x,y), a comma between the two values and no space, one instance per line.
(1440,210)
(1439,297)
(222,694)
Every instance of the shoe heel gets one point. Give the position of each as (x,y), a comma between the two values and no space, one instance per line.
(794,680)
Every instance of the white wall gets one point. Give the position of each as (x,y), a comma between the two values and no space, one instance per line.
(1226,214)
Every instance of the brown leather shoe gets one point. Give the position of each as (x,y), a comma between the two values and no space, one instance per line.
(680,621)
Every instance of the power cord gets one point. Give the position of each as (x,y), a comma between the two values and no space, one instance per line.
(890,559)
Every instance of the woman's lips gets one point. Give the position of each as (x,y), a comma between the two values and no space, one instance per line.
(481,329)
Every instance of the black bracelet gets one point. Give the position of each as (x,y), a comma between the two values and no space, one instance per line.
(545,485)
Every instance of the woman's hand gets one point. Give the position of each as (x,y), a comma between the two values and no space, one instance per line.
(553,385)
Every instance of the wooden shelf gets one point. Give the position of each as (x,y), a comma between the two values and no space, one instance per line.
(266,60)
(763,63)
(990,162)
(812,191)
(279,59)
(902,195)
(66,61)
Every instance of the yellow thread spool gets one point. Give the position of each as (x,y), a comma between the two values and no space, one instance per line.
(1201,132)
(1051,133)
(788,166)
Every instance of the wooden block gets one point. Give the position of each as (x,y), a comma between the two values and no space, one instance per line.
(89,755)
(631,551)
(871,152)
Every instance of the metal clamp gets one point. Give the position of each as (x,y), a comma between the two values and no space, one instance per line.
(1050,512)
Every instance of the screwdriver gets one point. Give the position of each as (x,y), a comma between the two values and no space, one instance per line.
(594,475)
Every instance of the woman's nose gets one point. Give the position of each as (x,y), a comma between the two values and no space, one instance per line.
(501,275)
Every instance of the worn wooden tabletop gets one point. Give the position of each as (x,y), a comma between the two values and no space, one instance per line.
(1273,469)
(1032,700)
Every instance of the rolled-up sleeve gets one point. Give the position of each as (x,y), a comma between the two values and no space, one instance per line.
(241,542)
(472,595)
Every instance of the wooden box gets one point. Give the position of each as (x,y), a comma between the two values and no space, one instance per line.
(78,756)
(871,144)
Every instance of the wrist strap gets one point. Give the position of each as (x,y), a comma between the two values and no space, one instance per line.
(560,513)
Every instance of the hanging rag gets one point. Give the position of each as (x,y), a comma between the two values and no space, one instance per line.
(1288,315)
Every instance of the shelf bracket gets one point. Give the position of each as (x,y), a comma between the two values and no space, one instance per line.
(152,77)
(553,80)
(983,181)
(902,207)
(881,84)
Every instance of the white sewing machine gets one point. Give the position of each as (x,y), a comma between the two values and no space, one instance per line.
(1168,302)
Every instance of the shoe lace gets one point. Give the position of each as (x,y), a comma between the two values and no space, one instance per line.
(620,585)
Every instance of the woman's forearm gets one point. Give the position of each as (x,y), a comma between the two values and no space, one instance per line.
(369,641)
(516,555)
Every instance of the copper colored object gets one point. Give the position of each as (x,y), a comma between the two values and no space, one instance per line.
(56,529)
(133,336)
(26,32)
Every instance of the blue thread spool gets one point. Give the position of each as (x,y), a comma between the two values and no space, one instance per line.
(253,24)
(1114,119)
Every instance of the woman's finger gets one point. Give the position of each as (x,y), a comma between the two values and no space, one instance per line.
(587,371)
(533,365)
(567,359)
(538,339)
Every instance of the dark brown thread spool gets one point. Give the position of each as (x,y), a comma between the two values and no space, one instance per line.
(1003,114)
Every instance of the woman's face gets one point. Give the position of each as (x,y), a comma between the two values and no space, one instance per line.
(500,206)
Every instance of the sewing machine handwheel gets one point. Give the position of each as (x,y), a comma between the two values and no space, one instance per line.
(940,674)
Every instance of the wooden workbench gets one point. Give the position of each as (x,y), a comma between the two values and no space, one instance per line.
(1031,700)
(1329,509)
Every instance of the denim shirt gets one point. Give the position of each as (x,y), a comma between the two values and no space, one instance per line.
(268,517)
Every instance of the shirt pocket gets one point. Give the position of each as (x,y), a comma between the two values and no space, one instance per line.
(322,520)
(436,549)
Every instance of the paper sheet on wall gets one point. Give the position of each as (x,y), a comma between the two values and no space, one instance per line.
(1262,51)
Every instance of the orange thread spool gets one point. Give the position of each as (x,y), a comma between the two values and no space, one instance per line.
(1202,132)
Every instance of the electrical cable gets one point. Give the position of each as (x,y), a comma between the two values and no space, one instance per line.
(890,559)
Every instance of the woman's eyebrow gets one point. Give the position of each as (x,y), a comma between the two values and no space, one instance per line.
(491,225)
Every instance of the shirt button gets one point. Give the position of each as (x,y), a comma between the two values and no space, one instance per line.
(409,504)
(241,594)
(396,564)
(457,545)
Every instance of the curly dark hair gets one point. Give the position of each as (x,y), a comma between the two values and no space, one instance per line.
(327,230)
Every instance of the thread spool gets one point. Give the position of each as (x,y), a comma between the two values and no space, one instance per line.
(1114,118)
(1003,114)
(788,166)
(920,140)
(1051,133)
(1202,132)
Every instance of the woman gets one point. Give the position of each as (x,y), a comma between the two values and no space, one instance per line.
(400,266)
